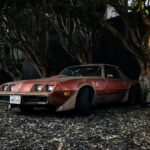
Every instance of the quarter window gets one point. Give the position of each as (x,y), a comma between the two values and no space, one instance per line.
(111,72)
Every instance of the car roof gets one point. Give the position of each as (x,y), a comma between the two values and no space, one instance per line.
(94,65)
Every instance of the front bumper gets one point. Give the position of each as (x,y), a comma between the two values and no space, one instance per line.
(41,99)
(26,100)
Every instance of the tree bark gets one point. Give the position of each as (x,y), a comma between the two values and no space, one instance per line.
(144,80)
(84,57)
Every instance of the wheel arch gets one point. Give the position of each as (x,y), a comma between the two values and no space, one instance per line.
(92,92)
(133,86)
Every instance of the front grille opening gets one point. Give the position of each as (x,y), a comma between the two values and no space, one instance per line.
(34,99)
(4,99)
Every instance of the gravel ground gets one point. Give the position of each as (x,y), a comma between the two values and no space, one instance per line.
(106,128)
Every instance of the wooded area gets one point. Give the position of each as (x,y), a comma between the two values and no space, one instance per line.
(34,27)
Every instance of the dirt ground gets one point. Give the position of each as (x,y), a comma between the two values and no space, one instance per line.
(106,128)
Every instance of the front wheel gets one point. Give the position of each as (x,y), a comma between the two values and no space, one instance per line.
(132,96)
(83,103)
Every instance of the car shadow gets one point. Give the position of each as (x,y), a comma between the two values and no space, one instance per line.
(97,110)
(43,112)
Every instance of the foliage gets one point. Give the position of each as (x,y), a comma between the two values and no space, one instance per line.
(26,29)
(136,37)
(72,21)
(31,26)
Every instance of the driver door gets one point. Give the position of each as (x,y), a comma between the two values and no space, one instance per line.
(114,87)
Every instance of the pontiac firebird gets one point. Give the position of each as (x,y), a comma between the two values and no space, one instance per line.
(76,87)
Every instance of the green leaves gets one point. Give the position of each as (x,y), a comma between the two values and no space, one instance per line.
(134,3)
(140,5)
(146,12)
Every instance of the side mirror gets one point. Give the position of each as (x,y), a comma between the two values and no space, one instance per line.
(109,76)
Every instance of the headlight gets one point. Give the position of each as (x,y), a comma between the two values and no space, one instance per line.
(11,88)
(4,87)
(38,87)
(49,88)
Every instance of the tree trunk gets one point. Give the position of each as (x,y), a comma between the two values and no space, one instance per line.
(144,80)
(85,57)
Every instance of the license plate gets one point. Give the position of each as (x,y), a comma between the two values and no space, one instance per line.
(15,99)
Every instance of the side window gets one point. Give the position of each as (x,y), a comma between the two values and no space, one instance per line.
(111,72)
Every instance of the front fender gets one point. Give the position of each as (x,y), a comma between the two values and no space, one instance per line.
(71,102)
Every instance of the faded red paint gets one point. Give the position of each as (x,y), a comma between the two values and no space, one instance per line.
(102,87)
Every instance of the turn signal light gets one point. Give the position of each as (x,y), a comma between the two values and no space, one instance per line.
(66,93)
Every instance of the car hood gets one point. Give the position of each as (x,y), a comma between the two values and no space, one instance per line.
(53,79)
(29,85)
(58,78)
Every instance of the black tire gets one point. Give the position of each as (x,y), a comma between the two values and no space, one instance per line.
(26,108)
(83,102)
(132,96)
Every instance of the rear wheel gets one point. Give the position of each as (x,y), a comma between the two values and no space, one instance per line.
(26,108)
(132,96)
(83,103)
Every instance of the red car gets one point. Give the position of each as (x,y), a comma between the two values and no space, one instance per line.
(77,87)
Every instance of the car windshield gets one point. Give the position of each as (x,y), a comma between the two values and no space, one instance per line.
(82,71)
